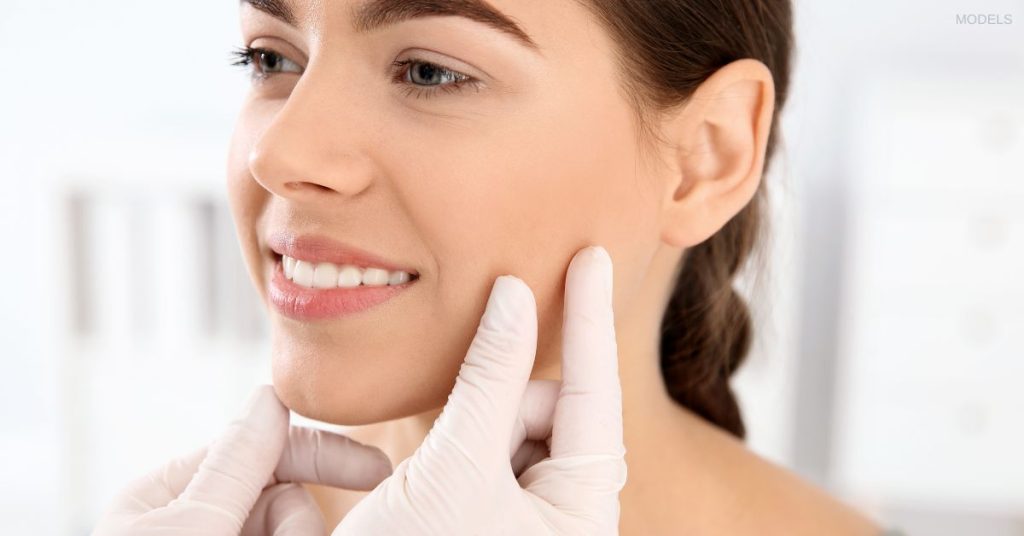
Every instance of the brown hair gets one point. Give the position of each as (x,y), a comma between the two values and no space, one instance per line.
(666,48)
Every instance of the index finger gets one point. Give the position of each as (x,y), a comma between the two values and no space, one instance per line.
(588,414)
(238,465)
(310,456)
(328,459)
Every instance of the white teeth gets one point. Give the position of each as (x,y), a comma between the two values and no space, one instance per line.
(302,274)
(349,277)
(375,277)
(325,276)
(330,275)
(289,267)
(399,277)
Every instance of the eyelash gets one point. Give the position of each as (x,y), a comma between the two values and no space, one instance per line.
(247,57)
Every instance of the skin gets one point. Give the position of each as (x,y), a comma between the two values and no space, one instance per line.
(514,176)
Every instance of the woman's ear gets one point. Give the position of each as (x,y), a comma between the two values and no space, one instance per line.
(718,141)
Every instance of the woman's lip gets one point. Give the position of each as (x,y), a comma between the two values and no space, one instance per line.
(304,304)
(318,248)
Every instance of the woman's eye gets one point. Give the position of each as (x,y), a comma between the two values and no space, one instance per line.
(418,78)
(425,79)
(264,62)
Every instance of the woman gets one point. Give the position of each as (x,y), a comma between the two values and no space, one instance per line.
(417,149)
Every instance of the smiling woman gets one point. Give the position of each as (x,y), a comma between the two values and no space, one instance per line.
(641,126)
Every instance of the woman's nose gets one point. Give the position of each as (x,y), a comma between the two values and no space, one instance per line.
(314,148)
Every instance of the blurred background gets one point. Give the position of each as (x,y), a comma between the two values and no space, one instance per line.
(889,353)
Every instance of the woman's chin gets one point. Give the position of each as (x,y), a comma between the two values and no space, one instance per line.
(358,398)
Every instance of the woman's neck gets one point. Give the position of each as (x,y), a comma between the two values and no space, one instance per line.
(685,476)
(638,328)
(643,398)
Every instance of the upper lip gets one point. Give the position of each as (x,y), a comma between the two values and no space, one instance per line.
(318,248)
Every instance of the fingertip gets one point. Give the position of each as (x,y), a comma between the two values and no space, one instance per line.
(240,462)
(265,410)
(510,299)
(513,286)
(592,253)
(384,462)
(377,468)
(600,253)
(489,388)
(592,267)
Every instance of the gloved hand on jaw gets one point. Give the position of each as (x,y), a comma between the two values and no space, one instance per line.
(461,480)
(465,477)
(245,482)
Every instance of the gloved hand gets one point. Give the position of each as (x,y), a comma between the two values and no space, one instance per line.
(461,480)
(245,481)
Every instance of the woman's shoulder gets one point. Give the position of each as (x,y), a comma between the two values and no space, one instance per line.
(716,485)
(797,506)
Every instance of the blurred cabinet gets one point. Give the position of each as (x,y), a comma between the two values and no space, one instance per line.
(930,379)
(159,334)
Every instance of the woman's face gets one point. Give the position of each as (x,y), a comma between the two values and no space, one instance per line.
(511,173)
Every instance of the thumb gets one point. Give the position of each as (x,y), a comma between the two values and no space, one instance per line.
(239,463)
(285,510)
(483,406)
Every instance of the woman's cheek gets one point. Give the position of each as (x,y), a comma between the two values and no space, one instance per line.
(243,190)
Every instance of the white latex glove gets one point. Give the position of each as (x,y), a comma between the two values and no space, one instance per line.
(461,479)
(244,482)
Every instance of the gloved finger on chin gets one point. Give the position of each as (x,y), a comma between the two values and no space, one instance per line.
(320,457)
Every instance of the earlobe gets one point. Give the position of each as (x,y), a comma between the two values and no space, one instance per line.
(721,137)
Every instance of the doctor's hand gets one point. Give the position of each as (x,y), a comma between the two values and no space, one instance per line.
(245,482)
(464,478)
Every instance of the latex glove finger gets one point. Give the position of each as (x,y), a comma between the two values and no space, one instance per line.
(285,510)
(536,413)
(588,415)
(310,455)
(319,457)
(212,490)
(461,479)
(161,485)
(529,453)
(586,469)
(227,476)
(460,476)
(475,426)
(238,465)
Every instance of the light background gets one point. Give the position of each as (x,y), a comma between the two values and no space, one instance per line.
(888,360)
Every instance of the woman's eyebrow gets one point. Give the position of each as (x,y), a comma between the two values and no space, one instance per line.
(370,15)
(278,9)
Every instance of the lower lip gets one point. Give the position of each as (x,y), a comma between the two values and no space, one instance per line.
(303,303)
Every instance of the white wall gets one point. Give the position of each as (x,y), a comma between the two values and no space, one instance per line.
(907,139)
(897,119)
(133,101)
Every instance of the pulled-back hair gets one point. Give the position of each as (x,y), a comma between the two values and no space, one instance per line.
(665,49)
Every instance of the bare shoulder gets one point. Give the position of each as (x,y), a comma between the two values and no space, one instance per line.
(686,477)
(783,501)
(716,485)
